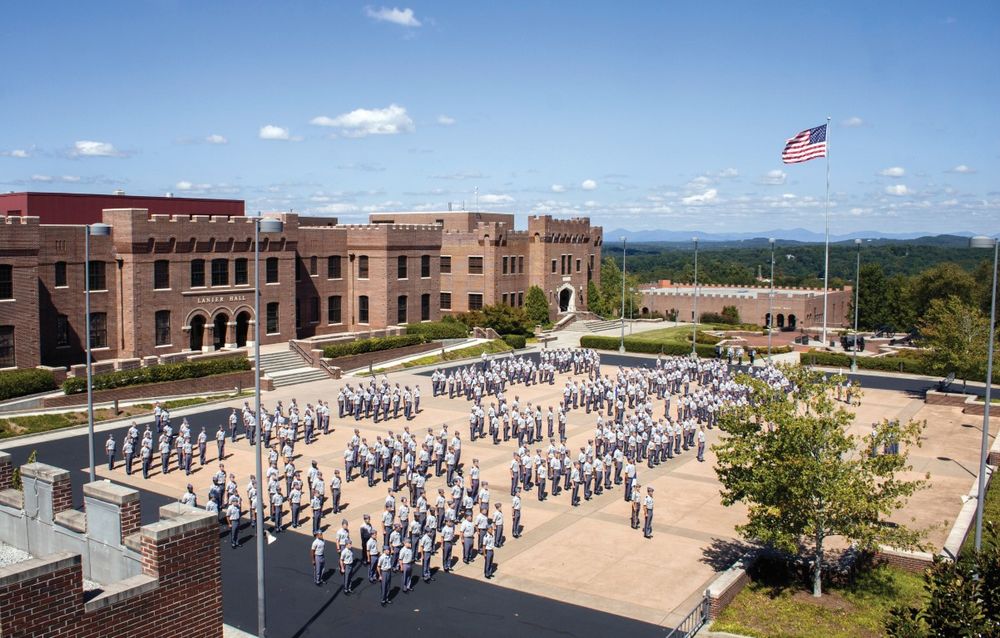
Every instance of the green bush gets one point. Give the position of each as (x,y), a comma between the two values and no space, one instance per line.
(645,346)
(18,383)
(515,341)
(375,344)
(715,317)
(158,374)
(434,330)
(912,365)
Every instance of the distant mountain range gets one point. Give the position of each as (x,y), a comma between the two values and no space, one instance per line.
(798,235)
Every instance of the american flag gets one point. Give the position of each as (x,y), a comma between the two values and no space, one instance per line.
(807,145)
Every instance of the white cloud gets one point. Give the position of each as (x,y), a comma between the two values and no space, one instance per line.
(728,173)
(898,190)
(962,169)
(49,179)
(362,122)
(490,198)
(41,178)
(461,175)
(558,188)
(70,178)
(336,209)
(588,185)
(215,138)
(853,122)
(590,204)
(183,185)
(445,120)
(402,17)
(17,152)
(703,198)
(776,177)
(272,132)
(892,171)
(90,148)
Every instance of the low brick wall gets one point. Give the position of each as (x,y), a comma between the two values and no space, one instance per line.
(728,584)
(910,561)
(357,361)
(956,399)
(215,383)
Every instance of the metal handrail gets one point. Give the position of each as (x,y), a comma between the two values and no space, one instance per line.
(695,620)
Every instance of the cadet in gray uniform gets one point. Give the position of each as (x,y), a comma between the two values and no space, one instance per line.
(488,545)
(384,572)
(406,565)
(233,518)
(426,550)
(647,504)
(447,542)
(515,507)
(347,566)
(316,551)
(636,506)
(371,550)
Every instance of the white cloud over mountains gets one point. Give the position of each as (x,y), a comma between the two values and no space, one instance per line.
(391,120)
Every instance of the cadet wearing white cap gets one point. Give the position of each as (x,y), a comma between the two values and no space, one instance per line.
(347,566)
(384,572)
(426,549)
(488,545)
(316,551)
(406,565)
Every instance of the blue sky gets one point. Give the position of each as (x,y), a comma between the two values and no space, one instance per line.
(639,114)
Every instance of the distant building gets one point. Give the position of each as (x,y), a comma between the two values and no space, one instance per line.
(793,307)
(179,280)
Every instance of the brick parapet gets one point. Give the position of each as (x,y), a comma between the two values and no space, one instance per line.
(6,471)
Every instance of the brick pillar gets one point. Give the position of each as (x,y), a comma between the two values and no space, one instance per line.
(39,595)
(47,490)
(112,511)
(6,471)
(62,495)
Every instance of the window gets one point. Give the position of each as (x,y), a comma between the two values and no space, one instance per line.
(98,278)
(401,309)
(333,309)
(363,267)
(314,310)
(520,264)
(475,265)
(445,301)
(62,331)
(475,301)
(241,276)
(504,270)
(272,318)
(271,271)
(445,265)
(313,266)
(98,330)
(162,327)
(298,269)
(578,265)
(298,313)
(333,267)
(161,274)
(503,299)
(6,281)
(425,307)
(553,266)
(401,267)
(520,299)
(363,309)
(220,272)
(198,273)
(425,266)
(7,359)
(60,274)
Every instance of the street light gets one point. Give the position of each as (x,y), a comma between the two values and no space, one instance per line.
(694,319)
(97,230)
(631,313)
(770,302)
(260,225)
(621,346)
(857,292)
(986,242)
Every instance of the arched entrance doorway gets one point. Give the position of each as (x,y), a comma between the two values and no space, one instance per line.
(565,299)
(219,328)
(791,322)
(197,339)
(242,328)
(781,321)
(767,319)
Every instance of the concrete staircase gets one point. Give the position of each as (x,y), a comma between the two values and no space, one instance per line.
(600,326)
(287,368)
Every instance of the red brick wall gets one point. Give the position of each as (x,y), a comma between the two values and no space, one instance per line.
(356,361)
(6,471)
(720,600)
(46,605)
(905,560)
(216,383)
(130,518)
(19,249)
(62,496)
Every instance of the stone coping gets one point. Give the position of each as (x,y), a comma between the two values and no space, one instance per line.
(105,490)
(178,519)
(72,519)
(44,472)
(726,579)
(36,567)
(122,590)
(12,498)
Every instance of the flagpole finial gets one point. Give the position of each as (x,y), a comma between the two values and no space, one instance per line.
(828,118)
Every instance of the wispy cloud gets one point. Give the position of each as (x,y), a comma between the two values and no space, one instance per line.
(215,138)
(898,190)
(588,185)
(402,17)
(19,153)
(462,175)
(853,122)
(91,148)
(893,171)
(558,188)
(361,166)
(445,120)
(272,132)
(962,169)
(701,198)
(491,198)
(391,120)
(775,177)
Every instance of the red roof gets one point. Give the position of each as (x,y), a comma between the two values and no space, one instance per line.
(84,208)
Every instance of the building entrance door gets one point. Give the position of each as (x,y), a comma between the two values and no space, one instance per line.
(220,324)
(197,333)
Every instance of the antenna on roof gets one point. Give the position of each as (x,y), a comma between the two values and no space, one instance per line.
(119,191)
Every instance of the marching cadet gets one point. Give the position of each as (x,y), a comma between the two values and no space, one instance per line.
(468,532)
(447,542)
(541,474)
(335,485)
(202,445)
(647,505)
(701,444)
(347,566)
(575,481)
(426,549)
(109,447)
(406,565)
(129,451)
(371,551)
(316,506)
(636,505)
(277,501)
(233,518)
(343,536)
(366,532)
(515,508)
(220,442)
(146,456)
(384,573)
(487,548)
(498,525)
(295,498)
(316,555)
(630,483)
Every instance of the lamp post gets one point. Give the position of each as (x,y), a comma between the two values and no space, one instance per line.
(266,226)
(770,303)
(694,319)
(986,242)
(97,230)
(631,312)
(857,293)
(621,346)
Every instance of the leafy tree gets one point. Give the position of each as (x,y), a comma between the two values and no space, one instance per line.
(731,313)
(899,303)
(791,460)
(595,301)
(963,597)
(611,290)
(940,282)
(957,334)
(872,293)
(507,320)
(536,305)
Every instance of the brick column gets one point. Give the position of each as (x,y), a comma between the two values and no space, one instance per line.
(6,471)
(112,511)
(39,595)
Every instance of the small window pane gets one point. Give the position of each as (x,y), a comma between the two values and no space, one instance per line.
(241,275)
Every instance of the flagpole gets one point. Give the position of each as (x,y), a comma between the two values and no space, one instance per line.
(826,253)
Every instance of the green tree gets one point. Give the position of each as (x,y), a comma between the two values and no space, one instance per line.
(940,282)
(899,303)
(792,461)
(957,333)
(536,305)
(595,301)
(507,320)
(731,313)
(872,294)
(611,290)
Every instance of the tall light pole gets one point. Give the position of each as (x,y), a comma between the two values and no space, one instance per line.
(631,312)
(621,347)
(857,293)
(770,303)
(986,242)
(694,319)
(97,230)
(267,226)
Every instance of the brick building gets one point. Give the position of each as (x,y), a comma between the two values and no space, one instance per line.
(168,282)
(793,307)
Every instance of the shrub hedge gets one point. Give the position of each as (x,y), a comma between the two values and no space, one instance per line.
(18,383)
(433,330)
(158,374)
(912,365)
(374,344)
(515,341)
(645,346)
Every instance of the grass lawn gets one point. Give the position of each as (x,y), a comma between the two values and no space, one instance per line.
(776,608)
(991,512)
(17,426)
(677,334)
(495,346)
